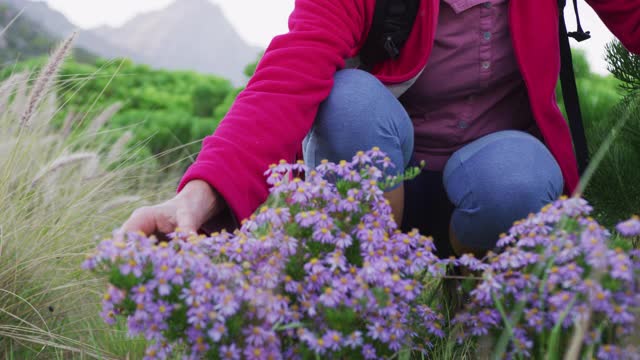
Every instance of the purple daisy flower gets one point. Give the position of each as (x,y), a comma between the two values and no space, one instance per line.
(630,227)
(369,352)
(229,352)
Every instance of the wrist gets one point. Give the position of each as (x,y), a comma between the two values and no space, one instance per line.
(203,197)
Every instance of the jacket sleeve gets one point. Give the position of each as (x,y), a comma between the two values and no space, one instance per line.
(270,118)
(622,17)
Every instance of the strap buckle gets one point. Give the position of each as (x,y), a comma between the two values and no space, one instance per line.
(391,47)
(580,35)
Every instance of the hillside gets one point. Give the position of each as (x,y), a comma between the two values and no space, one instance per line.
(25,38)
(187,35)
(57,26)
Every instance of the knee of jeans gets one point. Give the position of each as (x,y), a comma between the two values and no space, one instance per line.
(490,194)
(517,168)
(515,198)
(355,94)
(486,213)
(516,195)
(359,113)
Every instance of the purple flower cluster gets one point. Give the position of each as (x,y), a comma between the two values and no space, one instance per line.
(558,269)
(630,227)
(320,270)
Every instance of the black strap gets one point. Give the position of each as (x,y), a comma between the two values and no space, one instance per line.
(580,34)
(570,90)
(390,28)
(371,53)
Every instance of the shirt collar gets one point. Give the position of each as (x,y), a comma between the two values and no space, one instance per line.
(462,5)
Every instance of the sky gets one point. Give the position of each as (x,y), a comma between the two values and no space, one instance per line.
(258,21)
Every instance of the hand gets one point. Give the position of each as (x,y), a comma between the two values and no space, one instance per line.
(188,210)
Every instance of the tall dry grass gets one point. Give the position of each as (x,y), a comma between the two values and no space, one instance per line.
(56,193)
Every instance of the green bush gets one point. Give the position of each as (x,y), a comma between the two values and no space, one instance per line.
(90,88)
(138,86)
(174,135)
(615,188)
(206,96)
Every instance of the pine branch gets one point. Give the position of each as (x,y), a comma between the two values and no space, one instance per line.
(624,65)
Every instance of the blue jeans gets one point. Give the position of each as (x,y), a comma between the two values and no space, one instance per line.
(485,186)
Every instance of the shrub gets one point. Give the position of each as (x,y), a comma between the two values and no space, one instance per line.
(207,96)
(174,135)
(614,190)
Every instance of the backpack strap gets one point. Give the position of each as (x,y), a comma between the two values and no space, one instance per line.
(390,28)
(569,88)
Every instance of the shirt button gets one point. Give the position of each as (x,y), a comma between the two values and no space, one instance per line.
(487,5)
(486,64)
(487,35)
(463,124)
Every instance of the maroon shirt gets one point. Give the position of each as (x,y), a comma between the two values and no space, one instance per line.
(471,85)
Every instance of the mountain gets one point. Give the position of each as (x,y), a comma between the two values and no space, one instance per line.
(24,38)
(57,26)
(187,35)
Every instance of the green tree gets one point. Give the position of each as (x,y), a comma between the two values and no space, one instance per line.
(206,96)
(614,190)
(625,66)
(598,94)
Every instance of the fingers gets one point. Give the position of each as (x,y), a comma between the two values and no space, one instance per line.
(142,219)
(162,219)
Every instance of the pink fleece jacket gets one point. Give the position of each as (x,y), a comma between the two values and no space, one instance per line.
(272,115)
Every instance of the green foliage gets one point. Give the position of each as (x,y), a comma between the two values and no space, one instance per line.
(208,95)
(624,66)
(138,86)
(162,131)
(614,189)
(598,94)
(163,109)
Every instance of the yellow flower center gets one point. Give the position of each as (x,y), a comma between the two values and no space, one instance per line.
(328,291)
